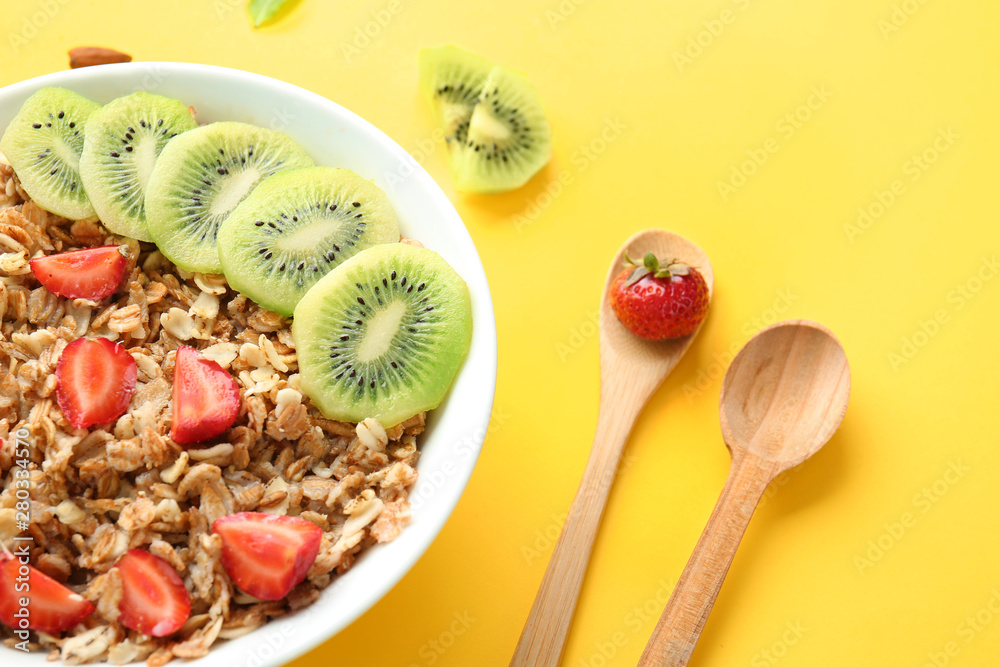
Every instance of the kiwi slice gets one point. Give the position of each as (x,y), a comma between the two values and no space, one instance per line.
(123,140)
(298,225)
(200,178)
(43,144)
(383,335)
(501,140)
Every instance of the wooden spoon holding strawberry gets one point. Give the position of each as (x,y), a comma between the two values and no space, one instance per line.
(631,370)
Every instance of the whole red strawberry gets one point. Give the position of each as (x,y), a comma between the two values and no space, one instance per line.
(656,300)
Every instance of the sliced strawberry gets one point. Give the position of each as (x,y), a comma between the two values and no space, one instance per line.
(91,273)
(155,601)
(32,600)
(206,398)
(267,555)
(95,380)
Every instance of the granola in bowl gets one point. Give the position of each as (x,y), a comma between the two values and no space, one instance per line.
(97,493)
(456,420)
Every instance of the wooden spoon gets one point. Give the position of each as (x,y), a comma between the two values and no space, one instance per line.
(782,398)
(631,369)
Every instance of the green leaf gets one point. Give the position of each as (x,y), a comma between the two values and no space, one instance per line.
(636,275)
(649,261)
(262,10)
(679,268)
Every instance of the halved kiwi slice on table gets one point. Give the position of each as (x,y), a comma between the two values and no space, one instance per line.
(509,137)
(43,144)
(495,127)
(452,79)
(200,178)
(298,225)
(383,335)
(123,140)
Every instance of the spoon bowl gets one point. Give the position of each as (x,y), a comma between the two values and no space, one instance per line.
(619,345)
(769,403)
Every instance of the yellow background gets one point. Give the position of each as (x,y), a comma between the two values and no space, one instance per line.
(846,562)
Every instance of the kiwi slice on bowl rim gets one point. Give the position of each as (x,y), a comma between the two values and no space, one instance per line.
(298,225)
(201,176)
(43,144)
(383,335)
(123,140)
(497,138)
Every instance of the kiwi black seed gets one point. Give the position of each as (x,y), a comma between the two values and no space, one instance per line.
(43,144)
(383,335)
(201,176)
(297,226)
(123,140)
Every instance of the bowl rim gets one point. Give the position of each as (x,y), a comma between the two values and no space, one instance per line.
(484,346)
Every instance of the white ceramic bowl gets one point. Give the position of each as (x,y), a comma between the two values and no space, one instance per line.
(333,136)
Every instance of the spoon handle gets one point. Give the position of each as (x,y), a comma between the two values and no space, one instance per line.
(543,638)
(687,610)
